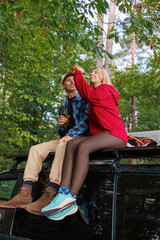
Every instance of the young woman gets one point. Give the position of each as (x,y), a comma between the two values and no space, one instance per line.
(106,130)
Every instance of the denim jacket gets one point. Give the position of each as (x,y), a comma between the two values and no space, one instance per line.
(80,115)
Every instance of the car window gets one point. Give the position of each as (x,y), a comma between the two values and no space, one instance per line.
(138,207)
(6,188)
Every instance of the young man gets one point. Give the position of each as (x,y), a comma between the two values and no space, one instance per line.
(78,126)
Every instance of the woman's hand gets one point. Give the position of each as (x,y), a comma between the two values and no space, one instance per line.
(79,68)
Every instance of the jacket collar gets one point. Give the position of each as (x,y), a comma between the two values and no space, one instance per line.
(77,97)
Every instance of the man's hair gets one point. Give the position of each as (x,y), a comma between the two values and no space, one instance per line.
(66,75)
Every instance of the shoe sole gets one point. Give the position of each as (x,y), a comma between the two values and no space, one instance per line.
(74,210)
(13,207)
(82,213)
(35,213)
(59,208)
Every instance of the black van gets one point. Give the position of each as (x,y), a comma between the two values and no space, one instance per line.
(119,200)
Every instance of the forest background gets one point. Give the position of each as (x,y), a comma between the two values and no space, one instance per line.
(41,39)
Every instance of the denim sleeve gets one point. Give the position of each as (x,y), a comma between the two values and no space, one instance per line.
(82,127)
(61,130)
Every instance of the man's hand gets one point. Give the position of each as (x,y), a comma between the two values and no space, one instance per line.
(64,139)
(62,120)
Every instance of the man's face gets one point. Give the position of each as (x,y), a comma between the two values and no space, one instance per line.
(69,84)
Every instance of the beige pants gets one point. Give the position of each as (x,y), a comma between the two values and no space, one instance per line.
(38,154)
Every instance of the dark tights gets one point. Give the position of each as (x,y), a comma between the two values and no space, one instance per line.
(76,161)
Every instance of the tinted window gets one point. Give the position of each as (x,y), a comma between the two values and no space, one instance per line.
(138,207)
(6,188)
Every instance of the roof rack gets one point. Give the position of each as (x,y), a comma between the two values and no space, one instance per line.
(112,155)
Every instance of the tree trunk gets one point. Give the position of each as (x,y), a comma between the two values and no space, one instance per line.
(133,114)
(3,88)
(128,123)
(109,42)
(133,48)
(99,59)
(133,100)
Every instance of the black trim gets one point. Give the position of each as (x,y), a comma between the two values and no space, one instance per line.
(9,214)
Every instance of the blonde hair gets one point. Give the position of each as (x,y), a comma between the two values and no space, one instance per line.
(103,75)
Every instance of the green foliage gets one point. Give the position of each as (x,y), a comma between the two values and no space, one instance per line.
(144,85)
(142,17)
(39,42)
(6,188)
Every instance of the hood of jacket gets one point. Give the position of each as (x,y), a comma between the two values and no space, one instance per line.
(114,93)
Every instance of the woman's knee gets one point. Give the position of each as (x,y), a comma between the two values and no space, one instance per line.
(82,148)
(70,144)
(74,143)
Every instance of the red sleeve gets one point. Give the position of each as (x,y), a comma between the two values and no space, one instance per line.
(89,94)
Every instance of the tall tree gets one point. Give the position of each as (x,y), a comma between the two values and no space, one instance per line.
(39,41)
(109,41)
(144,84)
(133,100)
(99,59)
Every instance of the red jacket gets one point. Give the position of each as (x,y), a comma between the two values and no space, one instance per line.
(103,113)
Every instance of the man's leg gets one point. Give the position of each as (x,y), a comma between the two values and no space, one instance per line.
(37,155)
(54,181)
(56,169)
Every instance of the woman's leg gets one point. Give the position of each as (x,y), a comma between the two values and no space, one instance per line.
(75,169)
(89,145)
(64,198)
(70,154)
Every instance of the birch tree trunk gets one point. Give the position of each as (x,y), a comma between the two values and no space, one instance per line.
(109,42)
(99,60)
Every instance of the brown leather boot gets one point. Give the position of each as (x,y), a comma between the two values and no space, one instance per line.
(42,202)
(20,200)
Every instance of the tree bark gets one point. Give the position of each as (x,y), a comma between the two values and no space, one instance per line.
(3,86)
(99,60)
(109,42)
(133,114)
(133,100)
(133,48)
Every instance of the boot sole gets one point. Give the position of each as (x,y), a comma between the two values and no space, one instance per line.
(12,207)
(35,213)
